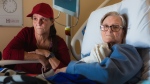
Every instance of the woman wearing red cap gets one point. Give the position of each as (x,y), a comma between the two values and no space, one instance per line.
(39,42)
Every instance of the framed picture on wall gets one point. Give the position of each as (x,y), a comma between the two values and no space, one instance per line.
(11,13)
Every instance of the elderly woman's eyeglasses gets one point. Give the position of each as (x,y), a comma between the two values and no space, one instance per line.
(114,28)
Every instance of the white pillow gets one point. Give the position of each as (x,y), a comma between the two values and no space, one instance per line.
(138,16)
(138,13)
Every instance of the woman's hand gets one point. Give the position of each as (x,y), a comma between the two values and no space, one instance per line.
(40,55)
(54,62)
(45,63)
(42,52)
(61,70)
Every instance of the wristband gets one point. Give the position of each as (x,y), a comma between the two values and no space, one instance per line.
(50,56)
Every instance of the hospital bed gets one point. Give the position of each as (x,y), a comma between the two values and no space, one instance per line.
(137,13)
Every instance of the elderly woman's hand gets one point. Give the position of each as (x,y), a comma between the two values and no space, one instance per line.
(61,70)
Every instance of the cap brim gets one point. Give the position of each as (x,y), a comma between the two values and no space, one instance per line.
(30,15)
(44,15)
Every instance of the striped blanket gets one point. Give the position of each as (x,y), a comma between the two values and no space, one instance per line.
(8,76)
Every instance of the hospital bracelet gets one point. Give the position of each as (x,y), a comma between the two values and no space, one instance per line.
(50,56)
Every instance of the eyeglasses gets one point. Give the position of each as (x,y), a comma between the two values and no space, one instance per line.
(114,28)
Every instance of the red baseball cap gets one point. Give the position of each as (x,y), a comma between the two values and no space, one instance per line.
(43,9)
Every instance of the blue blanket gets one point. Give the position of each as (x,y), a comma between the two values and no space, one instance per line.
(66,78)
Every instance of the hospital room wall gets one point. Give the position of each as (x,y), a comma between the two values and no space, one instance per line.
(86,7)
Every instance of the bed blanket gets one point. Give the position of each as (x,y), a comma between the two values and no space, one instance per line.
(8,76)
(66,78)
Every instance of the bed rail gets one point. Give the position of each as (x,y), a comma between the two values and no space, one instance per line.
(9,62)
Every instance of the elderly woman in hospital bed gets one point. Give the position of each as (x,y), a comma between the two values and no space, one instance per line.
(113,31)
(123,63)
